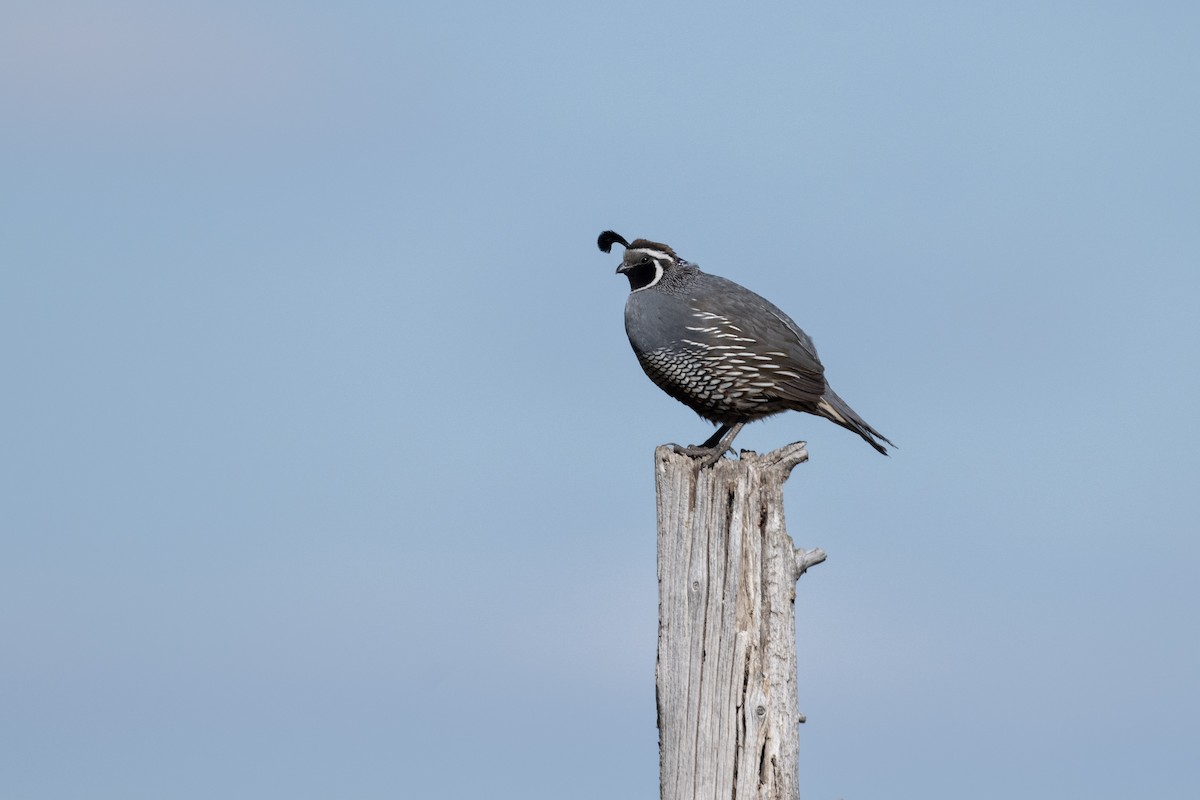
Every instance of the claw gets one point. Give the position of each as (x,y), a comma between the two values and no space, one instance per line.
(714,449)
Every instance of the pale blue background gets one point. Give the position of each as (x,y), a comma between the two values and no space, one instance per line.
(327,469)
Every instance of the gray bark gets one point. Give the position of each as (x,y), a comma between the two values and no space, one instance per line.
(726,677)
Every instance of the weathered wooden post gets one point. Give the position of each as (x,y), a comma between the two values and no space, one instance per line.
(726,678)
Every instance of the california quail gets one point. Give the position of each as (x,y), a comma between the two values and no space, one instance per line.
(720,349)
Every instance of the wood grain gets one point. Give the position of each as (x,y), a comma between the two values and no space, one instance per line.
(726,676)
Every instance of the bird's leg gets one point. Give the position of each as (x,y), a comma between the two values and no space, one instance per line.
(715,439)
(714,447)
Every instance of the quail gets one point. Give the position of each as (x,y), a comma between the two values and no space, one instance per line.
(720,349)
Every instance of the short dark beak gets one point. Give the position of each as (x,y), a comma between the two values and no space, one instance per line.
(624,268)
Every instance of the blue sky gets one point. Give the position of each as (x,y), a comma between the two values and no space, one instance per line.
(327,467)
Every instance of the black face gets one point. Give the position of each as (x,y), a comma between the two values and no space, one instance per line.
(642,274)
(645,262)
(645,266)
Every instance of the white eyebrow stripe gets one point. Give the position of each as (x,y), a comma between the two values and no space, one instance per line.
(655,254)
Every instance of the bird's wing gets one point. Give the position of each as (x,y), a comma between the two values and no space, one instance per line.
(781,353)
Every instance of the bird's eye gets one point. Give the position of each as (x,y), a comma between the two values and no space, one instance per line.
(645,259)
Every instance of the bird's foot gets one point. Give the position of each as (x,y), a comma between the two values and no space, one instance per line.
(705,454)
(714,448)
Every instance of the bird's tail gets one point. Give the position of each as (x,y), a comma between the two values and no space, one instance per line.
(834,408)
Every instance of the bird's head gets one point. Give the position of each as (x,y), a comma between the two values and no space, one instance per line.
(645,262)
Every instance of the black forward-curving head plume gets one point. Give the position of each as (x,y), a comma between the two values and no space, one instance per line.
(608,238)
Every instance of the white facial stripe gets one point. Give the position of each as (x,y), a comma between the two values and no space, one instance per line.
(658,273)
